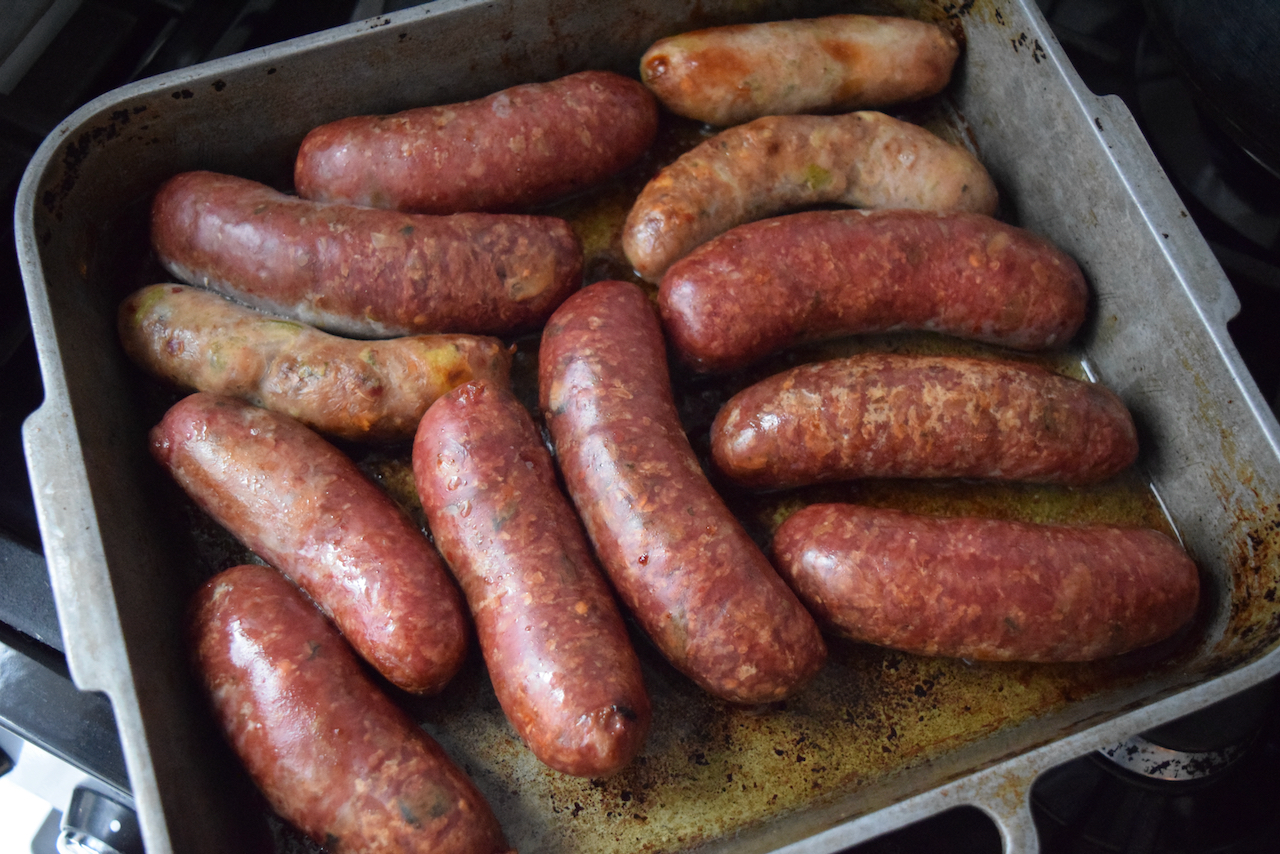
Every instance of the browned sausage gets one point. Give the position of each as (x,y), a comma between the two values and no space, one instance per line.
(886,415)
(733,74)
(302,506)
(357,390)
(780,163)
(766,285)
(519,147)
(557,650)
(331,752)
(363,272)
(986,589)
(678,558)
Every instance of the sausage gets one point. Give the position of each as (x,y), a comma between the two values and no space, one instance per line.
(331,753)
(986,589)
(302,506)
(886,415)
(356,390)
(523,146)
(558,653)
(767,285)
(780,163)
(363,272)
(733,74)
(684,566)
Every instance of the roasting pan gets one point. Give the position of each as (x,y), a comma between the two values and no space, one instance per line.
(880,739)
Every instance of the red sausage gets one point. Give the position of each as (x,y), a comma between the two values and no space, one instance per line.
(886,415)
(557,650)
(363,272)
(302,506)
(678,558)
(986,589)
(331,752)
(519,147)
(821,274)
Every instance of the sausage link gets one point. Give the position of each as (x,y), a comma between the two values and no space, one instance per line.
(519,147)
(555,644)
(356,390)
(728,75)
(302,506)
(363,272)
(885,415)
(779,163)
(986,589)
(767,285)
(681,562)
(331,752)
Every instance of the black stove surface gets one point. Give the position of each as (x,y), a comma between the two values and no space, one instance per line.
(107,43)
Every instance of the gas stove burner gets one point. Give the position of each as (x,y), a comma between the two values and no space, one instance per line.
(1225,178)
(1144,757)
(1204,783)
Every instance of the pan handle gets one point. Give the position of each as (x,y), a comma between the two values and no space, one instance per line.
(82,589)
(1004,794)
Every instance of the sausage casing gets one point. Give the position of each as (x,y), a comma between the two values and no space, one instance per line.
(733,74)
(519,147)
(302,506)
(680,561)
(363,272)
(558,653)
(780,163)
(330,751)
(986,589)
(766,285)
(887,415)
(356,390)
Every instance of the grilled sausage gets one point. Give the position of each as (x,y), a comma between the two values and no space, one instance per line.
(556,647)
(356,390)
(767,285)
(728,75)
(779,163)
(304,507)
(681,562)
(330,751)
(363,272)
(883,415)
(986,589)
(519,147)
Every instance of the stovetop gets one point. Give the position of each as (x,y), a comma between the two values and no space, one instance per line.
(1234,202)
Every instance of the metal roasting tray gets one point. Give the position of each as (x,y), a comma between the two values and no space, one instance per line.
(880,739)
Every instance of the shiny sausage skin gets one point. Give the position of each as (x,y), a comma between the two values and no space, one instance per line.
(330,751)
(986,589)
(356,390)
(885,415)
(522,146)
(555,644)
(779,163)
(767,285)
(681,562)
(302,506)
(363,272)
(729,75)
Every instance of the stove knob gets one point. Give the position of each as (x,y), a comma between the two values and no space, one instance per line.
(96,823)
